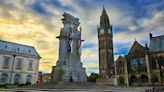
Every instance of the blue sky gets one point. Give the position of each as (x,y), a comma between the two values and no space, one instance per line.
(40,20)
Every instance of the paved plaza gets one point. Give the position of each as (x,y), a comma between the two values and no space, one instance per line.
(80,90)
(95,89)
(80,87)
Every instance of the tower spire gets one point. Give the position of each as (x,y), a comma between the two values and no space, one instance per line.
(104,11)
(104,20)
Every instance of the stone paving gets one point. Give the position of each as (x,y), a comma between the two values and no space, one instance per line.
(109,89)
(79,87)
(77,90)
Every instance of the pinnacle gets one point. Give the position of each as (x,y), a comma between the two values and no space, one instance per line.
(104,11)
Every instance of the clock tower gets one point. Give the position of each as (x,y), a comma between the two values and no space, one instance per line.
(105,39)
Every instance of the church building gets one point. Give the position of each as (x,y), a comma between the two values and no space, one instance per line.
(142,65)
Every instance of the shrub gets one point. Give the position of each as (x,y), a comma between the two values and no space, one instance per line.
(16,83)
(28,83)
(21,85)
(3,86)
(93,77)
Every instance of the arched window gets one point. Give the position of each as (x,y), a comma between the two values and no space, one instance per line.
(4,78)
(142,61)
(133,62)
(144,79)
(17,79)
(141,65)
(28,79)
(133,65)
(136,52)
(133,79)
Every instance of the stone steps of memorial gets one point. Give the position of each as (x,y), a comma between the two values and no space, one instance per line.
(65,85)
(68,85)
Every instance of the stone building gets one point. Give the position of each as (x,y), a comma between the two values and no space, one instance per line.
(40,78)
(155,57)
(105,41)
(121,72)
(145,65)
(18,63)
(136,63)
(44,78)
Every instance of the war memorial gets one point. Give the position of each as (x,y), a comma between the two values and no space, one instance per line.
(69,67)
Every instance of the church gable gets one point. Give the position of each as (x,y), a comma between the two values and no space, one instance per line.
(120,61)
(120,58)
(137,50)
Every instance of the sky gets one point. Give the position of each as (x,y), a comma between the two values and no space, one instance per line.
(38,22)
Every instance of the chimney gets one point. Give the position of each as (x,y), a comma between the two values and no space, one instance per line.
(146,46)
(150,35)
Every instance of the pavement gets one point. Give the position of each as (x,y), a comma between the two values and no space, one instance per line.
(79,87)
(138,89)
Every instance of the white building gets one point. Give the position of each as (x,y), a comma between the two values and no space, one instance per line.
(19,63)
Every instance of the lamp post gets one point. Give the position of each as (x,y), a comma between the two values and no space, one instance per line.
(12,68)
(162,74)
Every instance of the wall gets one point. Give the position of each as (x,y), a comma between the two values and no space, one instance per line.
(24,71)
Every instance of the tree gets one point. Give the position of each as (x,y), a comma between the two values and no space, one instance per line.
(93,77)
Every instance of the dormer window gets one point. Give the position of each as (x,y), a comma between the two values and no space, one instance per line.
(29,51)
(7,48)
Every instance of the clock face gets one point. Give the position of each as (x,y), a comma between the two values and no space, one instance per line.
(102,31)
(109,31)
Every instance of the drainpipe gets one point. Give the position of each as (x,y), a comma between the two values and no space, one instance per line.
(12,67)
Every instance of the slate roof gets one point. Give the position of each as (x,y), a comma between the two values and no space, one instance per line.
(18,49)
(156,44)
